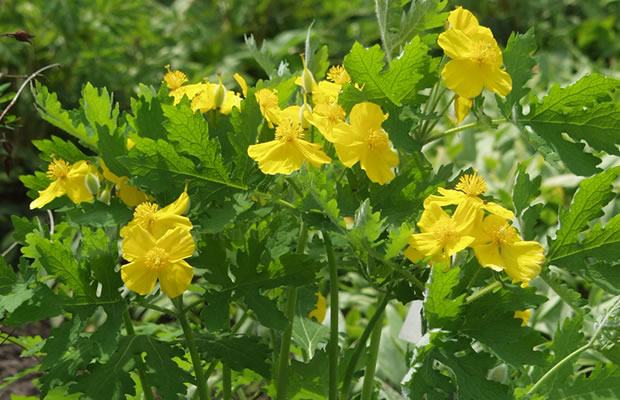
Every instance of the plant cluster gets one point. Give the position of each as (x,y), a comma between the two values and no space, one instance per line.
(194,244)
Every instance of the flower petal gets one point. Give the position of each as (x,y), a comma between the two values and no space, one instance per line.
(498,81)
(176,278)
(138,277)
(488,256)
(378,165)
(464,77)
(456,44)
(136,242)
(55,189)
(463,20)
(178,243)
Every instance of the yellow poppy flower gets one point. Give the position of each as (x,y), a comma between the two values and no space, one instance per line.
(338,75)
(190,91)
(288,151)
(242,83)
(174,79)
(151,259)
(442,235)
(129,194)
(66,179)
(326,93)
(468,190)
(476,59)
(325,117)
(268,103)
(320,308)
(365,141)
(499,247)
(524,315)
(216,97)
(158,221)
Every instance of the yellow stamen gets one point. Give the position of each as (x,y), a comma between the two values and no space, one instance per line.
(58,169)
(377,139)
(444,231)
(484,52)
(289,130)
(472,185)
(174,79)
(144,214)
(338,75)
(156,259)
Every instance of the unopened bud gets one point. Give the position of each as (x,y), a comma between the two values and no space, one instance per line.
(91,181)
(307,79)
(105,196)
(220,93)
(305,108)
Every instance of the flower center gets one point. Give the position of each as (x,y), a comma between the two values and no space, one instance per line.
(338,75)
(472,185)
(289,130)
(377,139)
(156,259)
(485,53)
(502,234)
(58,169)
(144,214)
(444,231)
(174,79)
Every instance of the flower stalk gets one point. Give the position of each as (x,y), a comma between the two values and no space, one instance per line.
(334,307)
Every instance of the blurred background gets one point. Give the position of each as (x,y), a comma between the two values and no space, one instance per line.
(119,43)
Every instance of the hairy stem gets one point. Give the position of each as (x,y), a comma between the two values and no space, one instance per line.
(334,307)
(371,364)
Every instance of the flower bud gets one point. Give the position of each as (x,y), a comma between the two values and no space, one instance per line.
(307,79)
(91,181)
(105,195)
(220,93)
(305,108)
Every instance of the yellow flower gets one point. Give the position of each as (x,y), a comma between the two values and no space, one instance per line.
(442,235)
(325,117)
(499,247)
(129,194)
(151,259)
(462,106)
(319,309)
(468,190)
(242,83)
(190,91)
(268,103)
(325,93)
(365,141)
(66,179)
(476,57)
(174,79)
(338,75)
(216,97)
(524,315)
(288,151)
(158,221)
(306,80)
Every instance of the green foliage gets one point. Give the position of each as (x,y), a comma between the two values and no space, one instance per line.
(584,111)
(519,64)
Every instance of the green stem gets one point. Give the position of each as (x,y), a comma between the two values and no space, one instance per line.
(146,389)
(201,382)
(371,364)
(291,304)
(227,382)
(360,346)
(575,353)
(334,307)
(459,129)
(443,111)
(487,289)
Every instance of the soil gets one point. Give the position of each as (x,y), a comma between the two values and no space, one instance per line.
(11,362)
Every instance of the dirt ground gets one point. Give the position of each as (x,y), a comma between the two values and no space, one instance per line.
(11,362)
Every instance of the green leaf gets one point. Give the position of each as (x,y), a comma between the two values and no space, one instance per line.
(112,144)
(62,339)
(584,111)
(593,194)
(99,214)
(601,384)
(566,339)
(245,126)
(525,190)
(237,352)
(262,56)
(22,226)
(604,275)
(190,131)
(148,117)
(42,304)
(58,260)
(367,228)
(51,110)
(396,83)
(307,334)
(519,64)
(100,255)
(265,309)
(440,306)
(60,149)
(216,313)
(156,162)
(309,381)
(398,240)
(99,108)
(112,381)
